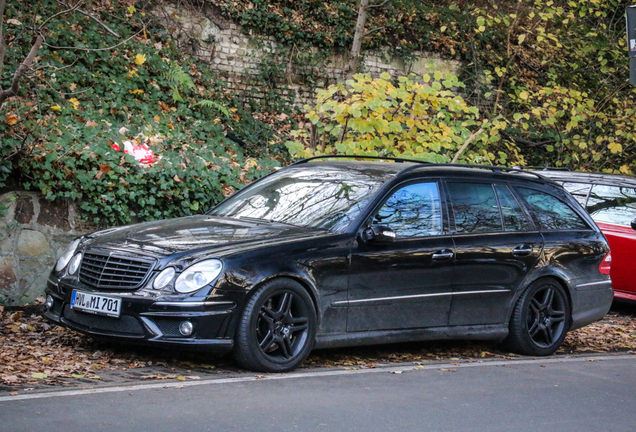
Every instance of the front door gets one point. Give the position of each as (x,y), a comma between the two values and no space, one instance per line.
(407,283)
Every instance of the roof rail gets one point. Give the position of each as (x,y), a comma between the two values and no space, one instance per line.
(542,168)
(387,158)
(495,169)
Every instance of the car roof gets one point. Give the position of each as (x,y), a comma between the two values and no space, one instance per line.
(387,168)
(591,178)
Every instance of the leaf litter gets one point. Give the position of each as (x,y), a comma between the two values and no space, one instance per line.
(35,352)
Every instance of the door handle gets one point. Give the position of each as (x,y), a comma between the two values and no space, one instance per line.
(443,255)
(522,250)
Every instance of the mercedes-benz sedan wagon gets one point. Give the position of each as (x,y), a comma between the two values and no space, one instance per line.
(342,252)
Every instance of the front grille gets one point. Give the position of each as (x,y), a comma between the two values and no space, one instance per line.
(124,325)
(103,270)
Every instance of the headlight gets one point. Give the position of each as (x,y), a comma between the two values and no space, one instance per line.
(198,275)
(164,278)
(74,264)
(66,256)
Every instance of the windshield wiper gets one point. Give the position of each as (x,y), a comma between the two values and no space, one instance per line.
(269,221)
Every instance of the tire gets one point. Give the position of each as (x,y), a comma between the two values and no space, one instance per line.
(277,329)
(540,320)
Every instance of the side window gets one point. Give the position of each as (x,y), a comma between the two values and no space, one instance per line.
(552,213)
(612,204)
(413,211)
(578,190)
(515,219)
(474,207)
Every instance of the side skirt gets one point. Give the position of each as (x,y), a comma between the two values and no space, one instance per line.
(484,332)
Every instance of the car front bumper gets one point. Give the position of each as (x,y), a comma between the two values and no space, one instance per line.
(148,320)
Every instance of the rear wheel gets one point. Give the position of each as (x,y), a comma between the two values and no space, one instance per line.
(277,329)
(539,322)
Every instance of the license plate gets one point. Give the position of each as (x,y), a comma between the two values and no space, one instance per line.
(96,304)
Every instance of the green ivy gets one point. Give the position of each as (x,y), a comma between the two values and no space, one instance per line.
(58,134)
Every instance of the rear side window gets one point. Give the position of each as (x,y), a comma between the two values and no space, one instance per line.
(515,219)
(612,204)
(551,212)
(578,190)
(475,207)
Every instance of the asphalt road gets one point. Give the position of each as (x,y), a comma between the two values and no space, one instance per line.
(595,393)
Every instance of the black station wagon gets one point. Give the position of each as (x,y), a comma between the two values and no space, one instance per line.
(344,252)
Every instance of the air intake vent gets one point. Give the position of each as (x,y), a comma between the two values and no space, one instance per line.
(106,271)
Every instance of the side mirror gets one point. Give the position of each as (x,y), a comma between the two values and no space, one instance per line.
(634,224)
(378,234)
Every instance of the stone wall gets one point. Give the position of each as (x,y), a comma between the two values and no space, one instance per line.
(237,56)
(33,233)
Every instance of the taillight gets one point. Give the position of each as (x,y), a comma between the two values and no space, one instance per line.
(606,264)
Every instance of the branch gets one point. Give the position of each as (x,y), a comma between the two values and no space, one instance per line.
(70,9)
(3,46)
(528,143)
(21,70)
(374,30)
(97,49)
(466,144)
(92,17)
(378,4)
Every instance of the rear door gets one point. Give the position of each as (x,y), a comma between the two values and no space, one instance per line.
(496,244)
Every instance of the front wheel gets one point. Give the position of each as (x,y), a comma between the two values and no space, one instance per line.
(539,322)
(277,329)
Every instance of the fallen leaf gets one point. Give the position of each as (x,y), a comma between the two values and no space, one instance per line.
(91,123)
(78,376)
(11,118)
(39,375)
(181,378)
(140,59)
(448,370)
(14,21)
(14,393)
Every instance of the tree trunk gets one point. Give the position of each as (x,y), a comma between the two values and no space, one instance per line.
(21,70)
(354,56)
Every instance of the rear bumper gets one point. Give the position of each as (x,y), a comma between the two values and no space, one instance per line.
(590,305)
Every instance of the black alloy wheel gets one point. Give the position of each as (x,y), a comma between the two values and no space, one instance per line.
(540,320)
(277,329)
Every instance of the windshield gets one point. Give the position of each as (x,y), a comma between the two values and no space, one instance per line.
(322,197)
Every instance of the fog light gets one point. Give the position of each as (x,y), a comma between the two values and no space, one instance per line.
(186,328)
(49,302)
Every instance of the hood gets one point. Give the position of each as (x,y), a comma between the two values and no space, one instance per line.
(194,234)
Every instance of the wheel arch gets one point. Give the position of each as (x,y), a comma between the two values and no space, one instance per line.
(303,281)
(553,274)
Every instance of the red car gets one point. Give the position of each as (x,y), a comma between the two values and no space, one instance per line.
(611,201)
